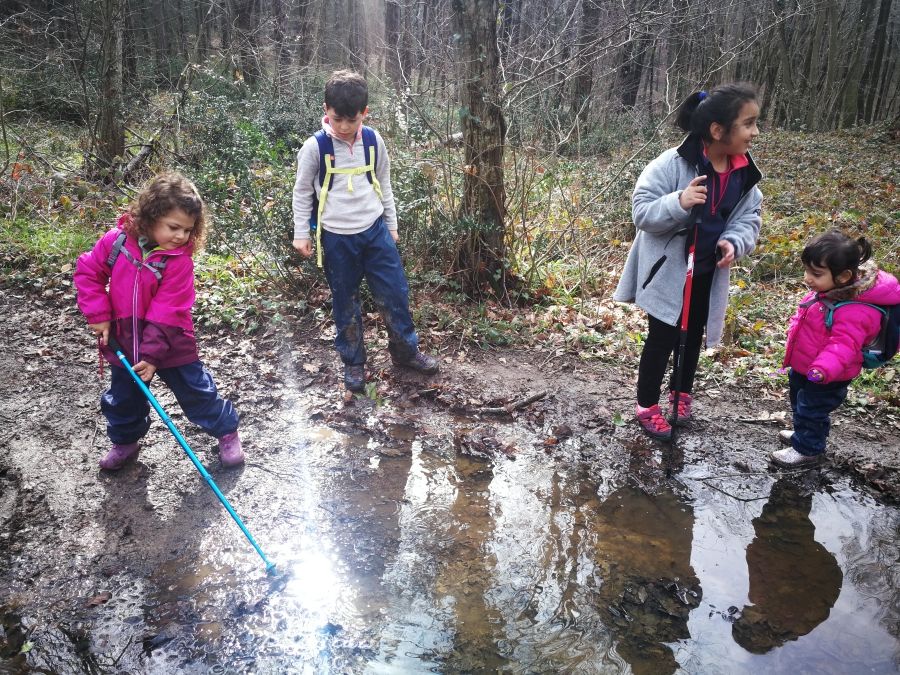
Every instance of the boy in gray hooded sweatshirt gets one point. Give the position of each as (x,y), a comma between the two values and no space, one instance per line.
(347,188)
(704,188)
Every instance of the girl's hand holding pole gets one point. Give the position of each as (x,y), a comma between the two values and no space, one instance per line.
(693,194)
(101,330)
(144,370)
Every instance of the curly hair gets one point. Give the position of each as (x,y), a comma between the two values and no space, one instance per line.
(166,193)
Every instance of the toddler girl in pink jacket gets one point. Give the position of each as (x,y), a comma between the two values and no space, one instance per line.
(824,360)
(146,264)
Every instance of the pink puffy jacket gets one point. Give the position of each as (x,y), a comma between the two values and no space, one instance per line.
(837,353)
(151,318)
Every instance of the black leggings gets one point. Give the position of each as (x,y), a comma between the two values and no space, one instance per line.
(662,341)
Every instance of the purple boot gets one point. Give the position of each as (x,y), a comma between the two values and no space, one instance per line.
(230,449)
(118,455)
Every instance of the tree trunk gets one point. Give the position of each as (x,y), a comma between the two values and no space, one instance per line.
(112,130)
(282,54)
(588,35)
(850,90)
(479,260)
(393,22)
(161,50)
(244,22)
(872,73)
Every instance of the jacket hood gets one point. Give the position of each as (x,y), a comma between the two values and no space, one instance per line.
(871,285)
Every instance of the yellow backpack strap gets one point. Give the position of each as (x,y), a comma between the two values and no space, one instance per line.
(329,169)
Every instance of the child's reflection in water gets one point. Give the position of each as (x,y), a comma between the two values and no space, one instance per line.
(794,580)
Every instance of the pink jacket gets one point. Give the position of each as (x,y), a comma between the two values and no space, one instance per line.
(151,318)
(837,352)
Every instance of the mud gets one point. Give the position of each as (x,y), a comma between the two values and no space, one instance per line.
(414,533)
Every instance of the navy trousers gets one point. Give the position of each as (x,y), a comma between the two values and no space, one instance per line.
(127,410)
(373,254)
(812,404)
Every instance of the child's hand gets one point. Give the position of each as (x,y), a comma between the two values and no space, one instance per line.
(394,235)
(815,375)
(101,330)
(304,246)
(693,194)
(727,249)
(145,370)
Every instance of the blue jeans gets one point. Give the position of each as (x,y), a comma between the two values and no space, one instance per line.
(812,403)
(127,410)
(373,254)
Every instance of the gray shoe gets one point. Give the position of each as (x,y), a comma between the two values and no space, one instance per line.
(785,436)
(419,362)
(791,459)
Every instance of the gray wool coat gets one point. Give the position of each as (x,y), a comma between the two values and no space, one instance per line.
(658,217)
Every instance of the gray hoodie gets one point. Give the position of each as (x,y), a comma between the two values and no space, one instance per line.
(345,212)
(656,268)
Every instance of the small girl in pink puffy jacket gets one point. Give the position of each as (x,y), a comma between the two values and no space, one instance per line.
(823,361)
(147,266)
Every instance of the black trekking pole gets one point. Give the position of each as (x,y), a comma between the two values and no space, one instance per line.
(682,342)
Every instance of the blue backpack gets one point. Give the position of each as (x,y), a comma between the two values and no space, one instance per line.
(885,345)
(328,170)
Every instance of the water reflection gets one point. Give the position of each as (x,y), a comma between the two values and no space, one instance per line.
(649,589)
(433,562)
(794,580)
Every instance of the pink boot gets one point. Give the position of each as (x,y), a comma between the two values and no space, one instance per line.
(230,449)
(118,455)
(684,406)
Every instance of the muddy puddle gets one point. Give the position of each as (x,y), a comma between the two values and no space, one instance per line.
(398,554)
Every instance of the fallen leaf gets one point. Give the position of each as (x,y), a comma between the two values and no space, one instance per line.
(98,600)
(310,368)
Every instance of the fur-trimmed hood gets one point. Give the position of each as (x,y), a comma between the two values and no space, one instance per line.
(865,280)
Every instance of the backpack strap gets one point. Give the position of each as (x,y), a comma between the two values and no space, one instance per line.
(117,249)
(831,306)
(326,148)
(327,171)
(154,266)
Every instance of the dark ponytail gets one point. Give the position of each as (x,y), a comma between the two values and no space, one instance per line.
(722,105)
(838,252)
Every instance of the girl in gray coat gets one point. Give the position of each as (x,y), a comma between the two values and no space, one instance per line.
(704,191)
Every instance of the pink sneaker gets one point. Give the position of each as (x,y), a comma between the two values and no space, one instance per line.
(118,455)
(230,449)
(684,405)
(653,422)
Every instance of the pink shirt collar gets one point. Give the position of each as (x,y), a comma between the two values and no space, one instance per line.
(734,161)
(326,125)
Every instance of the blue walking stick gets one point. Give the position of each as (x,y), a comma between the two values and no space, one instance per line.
(117,348)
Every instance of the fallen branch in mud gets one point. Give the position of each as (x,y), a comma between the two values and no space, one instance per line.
(759,420)
(512,407)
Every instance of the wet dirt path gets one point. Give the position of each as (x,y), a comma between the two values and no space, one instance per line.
(399,553)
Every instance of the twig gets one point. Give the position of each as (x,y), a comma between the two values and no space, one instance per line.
(759,420)
(515,406)
(127,645)
(740,499)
